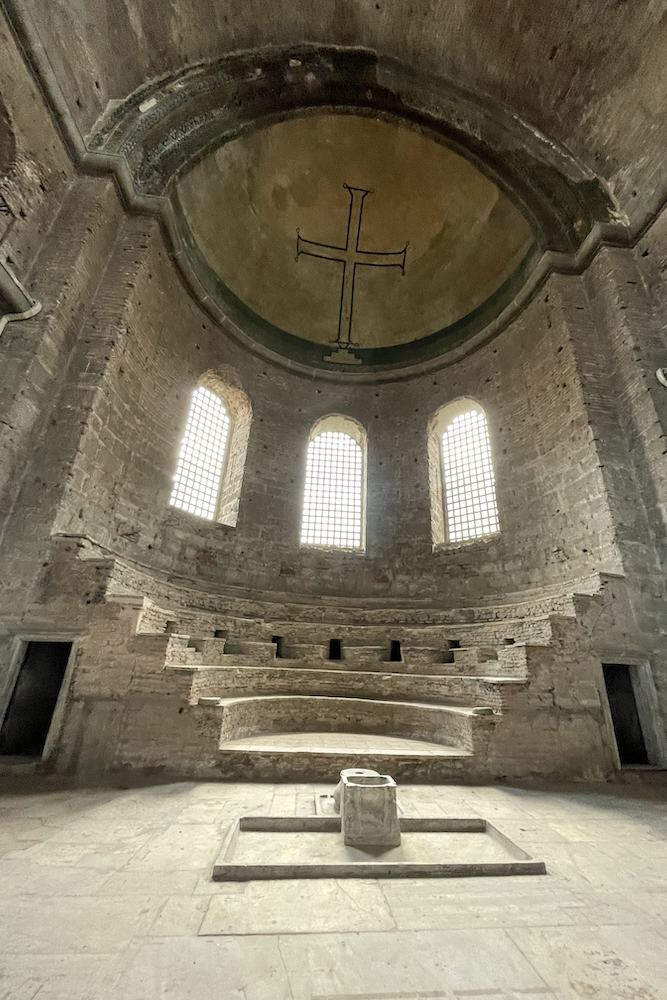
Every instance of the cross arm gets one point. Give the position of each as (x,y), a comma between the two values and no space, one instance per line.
(318,249)
(382,259)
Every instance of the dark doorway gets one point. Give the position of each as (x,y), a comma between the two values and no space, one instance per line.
(33,701)
(624,714)
(280,646)
(335,651)
(395,652)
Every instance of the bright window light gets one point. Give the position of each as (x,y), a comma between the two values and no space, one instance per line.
(332,497)
(470,488)
(200,463)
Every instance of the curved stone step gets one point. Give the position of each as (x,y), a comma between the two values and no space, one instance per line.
(317,756)
(472,656)
(306,651)
(450,725)
(255,651)
(423,659)
(226,682)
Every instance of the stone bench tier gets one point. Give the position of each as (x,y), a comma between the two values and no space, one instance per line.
(446,724)
(453,690)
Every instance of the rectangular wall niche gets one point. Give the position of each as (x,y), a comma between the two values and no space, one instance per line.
(33,701)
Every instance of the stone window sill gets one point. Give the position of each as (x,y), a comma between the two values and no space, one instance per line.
(331,550)
(182,518)
(472,543)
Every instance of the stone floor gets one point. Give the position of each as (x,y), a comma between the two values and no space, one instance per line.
(106,895)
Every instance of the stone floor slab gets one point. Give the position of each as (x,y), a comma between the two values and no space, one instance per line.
(103,894)
(180,916)
(91,924)
(299,907)
(349,965)
(584,964)
(406,962)
(179,847)
(205,969)
(423,906)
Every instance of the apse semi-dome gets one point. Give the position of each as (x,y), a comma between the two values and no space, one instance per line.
(339,213)
(349,239)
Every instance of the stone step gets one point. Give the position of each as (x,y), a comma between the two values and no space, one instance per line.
(346,665)
(212,651)
(449,725)
(306,651)
(508,661)
(472,656)
(225,682)
(513,660)
(418,658)
(492,633)
(185,649)
(247,652)
(490,668)
(359,656)
(414,658)
(320,757)
(351,655)
(487,668)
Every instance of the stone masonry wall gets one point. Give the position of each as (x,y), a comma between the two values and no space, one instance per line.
(53,365)
(555,524)
(620,340)
(34,167)
(94,394)
(133,704)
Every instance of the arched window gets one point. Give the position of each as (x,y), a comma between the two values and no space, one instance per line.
(463,489)
(334,496)
(202,457)
(209,473)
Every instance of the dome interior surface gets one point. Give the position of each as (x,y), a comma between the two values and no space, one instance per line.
(247,202)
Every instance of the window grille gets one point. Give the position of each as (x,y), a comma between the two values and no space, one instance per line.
(470,489)
(333,494)
(202,457)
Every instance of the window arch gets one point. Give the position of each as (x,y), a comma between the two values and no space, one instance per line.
(463,488)
(209,471)
(334,498)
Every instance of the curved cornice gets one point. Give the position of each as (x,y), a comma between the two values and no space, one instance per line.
(162,130)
